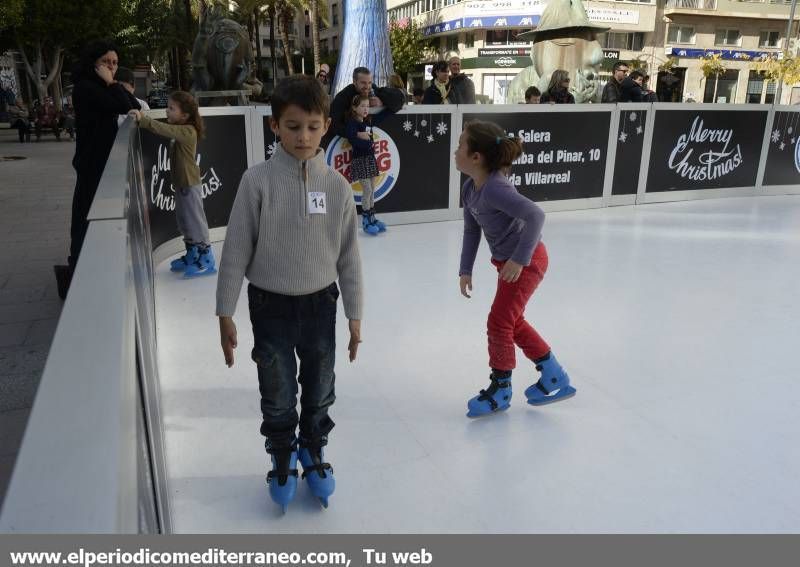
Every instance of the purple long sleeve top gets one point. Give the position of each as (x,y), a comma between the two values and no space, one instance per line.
(511,223)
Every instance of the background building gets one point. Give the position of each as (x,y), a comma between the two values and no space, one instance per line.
(649,34)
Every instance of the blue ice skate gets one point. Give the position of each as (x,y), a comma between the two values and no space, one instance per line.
(552,387)
(282,479)
(203,266)
(375,221)
(318,473)
(497,397)
(368,227)
(180,265)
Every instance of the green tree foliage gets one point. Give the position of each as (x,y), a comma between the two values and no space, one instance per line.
(409,46)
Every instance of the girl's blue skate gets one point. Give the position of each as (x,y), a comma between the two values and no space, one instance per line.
(180,265)
(552,387)
(367,225)
(318,473)
(203,266)
(497,397)
(373,220)
(282,479)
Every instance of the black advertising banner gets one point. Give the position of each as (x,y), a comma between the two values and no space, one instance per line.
(413,156)
(222,157)
(630,142)
(564,153)
(705,149)
(783,155)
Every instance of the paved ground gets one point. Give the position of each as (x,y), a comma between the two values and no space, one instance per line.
(35,201)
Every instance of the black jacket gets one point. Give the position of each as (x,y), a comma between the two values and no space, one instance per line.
(630,91)
(97,107)
(557,96)
(432,95)
(611,92)
(392,99)
(462,89)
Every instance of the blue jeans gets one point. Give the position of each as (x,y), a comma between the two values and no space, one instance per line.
(282,326)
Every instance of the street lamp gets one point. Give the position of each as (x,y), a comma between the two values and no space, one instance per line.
(788,36)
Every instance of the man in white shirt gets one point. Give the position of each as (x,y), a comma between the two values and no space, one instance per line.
(124,77)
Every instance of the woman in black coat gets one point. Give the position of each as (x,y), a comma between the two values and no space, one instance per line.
(98,101)
(439,89)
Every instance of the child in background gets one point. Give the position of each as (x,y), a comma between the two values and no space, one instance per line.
(512,225)
(363,166)
(184,127)
(293,232)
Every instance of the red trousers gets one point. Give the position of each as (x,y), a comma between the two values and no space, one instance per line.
(507,325)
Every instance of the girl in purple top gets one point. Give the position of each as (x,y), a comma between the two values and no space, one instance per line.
(512,225)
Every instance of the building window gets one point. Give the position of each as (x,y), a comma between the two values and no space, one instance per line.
(721,88)
(469,40)
(680,34)
(308,29)
(728,37)
(630,41)
(452,42)
(504,37)
(335,42)
(769,39)
(755,86)
(335,14)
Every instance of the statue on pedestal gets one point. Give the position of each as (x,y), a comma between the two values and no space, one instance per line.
(222,57)
(564,39)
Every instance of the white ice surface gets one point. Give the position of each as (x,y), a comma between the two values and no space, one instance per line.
(678,324)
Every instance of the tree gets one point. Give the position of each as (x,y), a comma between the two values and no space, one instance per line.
(784,68)
(317,14)
(285,12)
(409,46)
(44,31)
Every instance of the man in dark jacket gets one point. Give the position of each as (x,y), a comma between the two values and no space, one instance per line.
(462,89)
(613,89)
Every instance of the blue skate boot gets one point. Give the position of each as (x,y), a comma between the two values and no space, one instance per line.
(180,265)
(317,472)
(374,221)
(203,266)
(553,386)
(497,397)
(368,227)
(282,479)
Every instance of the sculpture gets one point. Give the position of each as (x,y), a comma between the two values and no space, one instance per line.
(222,56)
(564,39)
(365,43)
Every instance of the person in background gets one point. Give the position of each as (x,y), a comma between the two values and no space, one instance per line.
(613,89)
(533,96)
(20,118)
(631,88)
(99,100)
(323,76)
(558,90)
(124,76)
(439,90)
(417,95)
(462,87)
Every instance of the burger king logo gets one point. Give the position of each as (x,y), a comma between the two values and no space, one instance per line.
(339,156)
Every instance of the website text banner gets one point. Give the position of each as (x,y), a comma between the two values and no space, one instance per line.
(783,156)
(564,153)
(628,159)
(705,149)
(222,157)
(399,550)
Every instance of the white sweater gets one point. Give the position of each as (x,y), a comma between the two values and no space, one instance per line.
(282,247)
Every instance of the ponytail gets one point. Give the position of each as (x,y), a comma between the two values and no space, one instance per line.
(498,149)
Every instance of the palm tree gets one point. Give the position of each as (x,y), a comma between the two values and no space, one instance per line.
(317,13)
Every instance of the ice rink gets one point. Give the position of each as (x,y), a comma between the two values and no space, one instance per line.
(678,324)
